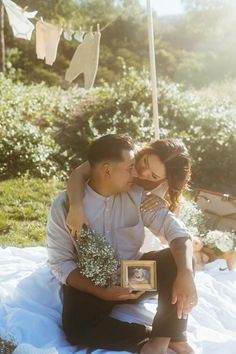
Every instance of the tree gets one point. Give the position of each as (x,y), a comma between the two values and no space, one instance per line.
(2,39)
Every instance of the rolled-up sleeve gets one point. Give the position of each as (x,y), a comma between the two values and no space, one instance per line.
(163,223)
(61,250)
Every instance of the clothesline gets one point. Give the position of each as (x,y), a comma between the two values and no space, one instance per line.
(48,36)
(84,31)
(10,6)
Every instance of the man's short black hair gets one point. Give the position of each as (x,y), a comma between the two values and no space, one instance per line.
(109,147)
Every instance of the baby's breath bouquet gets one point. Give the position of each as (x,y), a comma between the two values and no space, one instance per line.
(220,241)
(193,218)
(96,258)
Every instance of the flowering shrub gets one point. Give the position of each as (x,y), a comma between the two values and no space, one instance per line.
(73,118)
(23,149)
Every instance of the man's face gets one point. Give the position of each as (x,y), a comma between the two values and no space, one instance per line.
(121,174)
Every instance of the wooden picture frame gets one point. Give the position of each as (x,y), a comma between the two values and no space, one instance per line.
(139,275)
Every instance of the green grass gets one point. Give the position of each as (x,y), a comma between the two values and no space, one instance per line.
(24,205)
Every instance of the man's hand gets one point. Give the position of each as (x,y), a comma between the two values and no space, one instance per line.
(117,293)
(75,220)
(184,293)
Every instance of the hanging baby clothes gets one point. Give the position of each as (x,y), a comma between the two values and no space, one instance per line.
(18,19)
(47,40)
(85,59)
(79,35)
(68,33)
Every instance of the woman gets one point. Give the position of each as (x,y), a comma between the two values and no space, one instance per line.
(163,167)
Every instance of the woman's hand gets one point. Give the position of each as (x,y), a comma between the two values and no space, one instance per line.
(75,220)
(153,202)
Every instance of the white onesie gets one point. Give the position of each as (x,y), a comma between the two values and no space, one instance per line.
(47,40)
(18,19)
(85,60)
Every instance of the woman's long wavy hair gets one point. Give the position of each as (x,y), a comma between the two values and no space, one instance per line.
(174,154)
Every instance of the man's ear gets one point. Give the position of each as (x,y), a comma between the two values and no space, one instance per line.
(107,168)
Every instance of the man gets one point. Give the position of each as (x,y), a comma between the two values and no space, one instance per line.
(112,205)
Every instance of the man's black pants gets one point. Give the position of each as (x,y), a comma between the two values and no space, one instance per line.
(86,318)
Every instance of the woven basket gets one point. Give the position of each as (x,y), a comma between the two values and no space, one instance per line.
(6,347)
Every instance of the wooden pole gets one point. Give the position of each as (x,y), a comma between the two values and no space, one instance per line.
(2,39)
(153,71)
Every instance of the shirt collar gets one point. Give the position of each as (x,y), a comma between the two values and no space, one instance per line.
(94,194)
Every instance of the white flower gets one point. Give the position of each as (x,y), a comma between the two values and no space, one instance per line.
(222,240)
(193,231)
(225,245)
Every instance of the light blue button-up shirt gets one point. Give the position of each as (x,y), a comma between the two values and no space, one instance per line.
(117,217)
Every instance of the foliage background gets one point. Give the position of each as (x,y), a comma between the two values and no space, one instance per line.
(45,130)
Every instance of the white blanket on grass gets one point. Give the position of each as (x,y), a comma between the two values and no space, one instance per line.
(30,305)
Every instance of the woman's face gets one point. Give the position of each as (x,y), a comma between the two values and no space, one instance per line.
(149,167)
